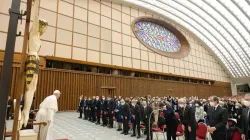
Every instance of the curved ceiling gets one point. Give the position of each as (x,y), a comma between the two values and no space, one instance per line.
(223,25)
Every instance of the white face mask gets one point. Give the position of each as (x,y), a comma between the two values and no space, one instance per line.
(247,103)
(123,103)
(237,107)
(133,104)
(103,98)
(196,105)
(212,104)
(164,107)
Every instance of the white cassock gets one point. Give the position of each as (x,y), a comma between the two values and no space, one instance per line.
(47,110)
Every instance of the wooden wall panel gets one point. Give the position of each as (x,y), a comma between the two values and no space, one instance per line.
(72,84)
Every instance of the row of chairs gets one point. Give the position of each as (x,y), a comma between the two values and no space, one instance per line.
(201,133)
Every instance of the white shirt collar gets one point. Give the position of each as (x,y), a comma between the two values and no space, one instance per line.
(216,106)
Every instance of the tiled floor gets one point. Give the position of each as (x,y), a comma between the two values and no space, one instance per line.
(67,125)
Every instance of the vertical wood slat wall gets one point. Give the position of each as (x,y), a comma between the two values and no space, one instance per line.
(72,84)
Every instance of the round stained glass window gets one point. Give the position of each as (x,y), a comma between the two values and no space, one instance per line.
(157,36)
(160,37)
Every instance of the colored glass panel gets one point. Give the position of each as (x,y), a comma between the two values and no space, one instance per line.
(157,36)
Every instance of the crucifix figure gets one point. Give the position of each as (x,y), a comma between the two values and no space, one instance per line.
(32,61)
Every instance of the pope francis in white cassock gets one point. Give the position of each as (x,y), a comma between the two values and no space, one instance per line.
(47,110)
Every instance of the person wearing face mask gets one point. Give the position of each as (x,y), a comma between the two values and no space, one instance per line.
(199,112)
(133,113)
(175,105)
(217,120)
(125,116)
(245,131)
(85,108)
(104,111)
(89,109)
(98,109)
(187,117)
(111,108)
(93,107)
(170,120)
(118,111)
(237,114)
(137,118)
(148,109)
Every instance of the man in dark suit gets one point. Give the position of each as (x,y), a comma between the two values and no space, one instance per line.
(217,120)
(85,102)
(79,104)
(89,109)
(104,111)
(98,109)
(93,105)
(10,102)
(136,117)
(125,116)
(80,108)
(170,120)
(187,117)
(133,113)
(245,131)
(149,119)
(111,108)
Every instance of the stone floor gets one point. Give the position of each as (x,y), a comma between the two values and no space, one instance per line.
(67,125)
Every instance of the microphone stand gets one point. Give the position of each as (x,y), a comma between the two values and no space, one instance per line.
(149,121)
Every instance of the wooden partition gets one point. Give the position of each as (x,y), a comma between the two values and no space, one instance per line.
(72,84)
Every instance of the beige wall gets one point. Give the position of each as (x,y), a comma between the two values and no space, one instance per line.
(100,32)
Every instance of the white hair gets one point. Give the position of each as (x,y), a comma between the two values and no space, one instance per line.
(56,92)
(183,100)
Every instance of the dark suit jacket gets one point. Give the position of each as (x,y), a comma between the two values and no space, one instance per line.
(111,105)
(105,106)
(147,112)
(125,110)
(98,105)
(218,119)
(187,117)
(82,103)
(138,112)
(170,117)
(93,104)
(245,122)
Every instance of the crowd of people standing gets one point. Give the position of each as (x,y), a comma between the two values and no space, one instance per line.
(148,112)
